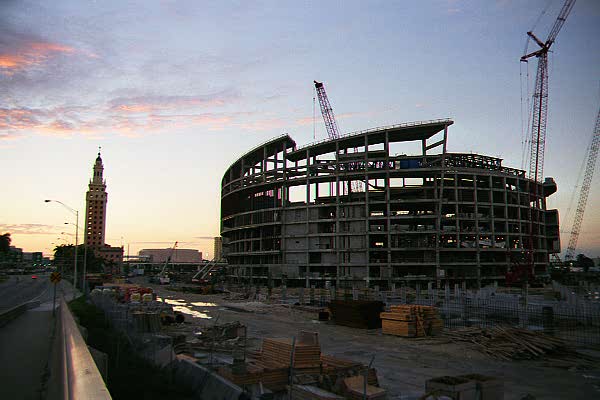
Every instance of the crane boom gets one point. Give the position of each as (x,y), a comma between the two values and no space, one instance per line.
(592,156)
(540,94)
(330,123)
(163,278)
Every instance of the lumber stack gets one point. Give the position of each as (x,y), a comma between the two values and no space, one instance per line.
(356,313)
(411,321)
(306,355)
(273,375)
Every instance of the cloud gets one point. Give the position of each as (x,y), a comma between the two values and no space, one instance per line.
(20,52)
(155,103)
(29,229)
(96,120)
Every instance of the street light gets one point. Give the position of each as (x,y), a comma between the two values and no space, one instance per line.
(76,212)
(84,262)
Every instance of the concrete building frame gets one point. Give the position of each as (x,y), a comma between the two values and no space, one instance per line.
(349,212)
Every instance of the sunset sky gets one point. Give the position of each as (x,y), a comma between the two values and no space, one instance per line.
(174,91)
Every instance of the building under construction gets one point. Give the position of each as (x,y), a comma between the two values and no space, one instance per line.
(382,206)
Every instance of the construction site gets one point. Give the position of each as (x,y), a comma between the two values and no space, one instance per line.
(368,265)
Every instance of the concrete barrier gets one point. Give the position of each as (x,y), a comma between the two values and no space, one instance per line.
(74,373)
(10,314)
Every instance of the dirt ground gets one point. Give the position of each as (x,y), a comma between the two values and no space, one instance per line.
(403,364)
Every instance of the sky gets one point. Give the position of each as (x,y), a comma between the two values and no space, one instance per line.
(175,91)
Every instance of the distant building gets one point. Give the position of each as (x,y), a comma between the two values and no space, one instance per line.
(179,255)
(13,256)
(95,218)
(35,257)
(218,248)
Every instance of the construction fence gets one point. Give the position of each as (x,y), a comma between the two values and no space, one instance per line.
(561,311)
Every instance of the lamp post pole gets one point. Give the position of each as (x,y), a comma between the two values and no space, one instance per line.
(76,212)
(83,278)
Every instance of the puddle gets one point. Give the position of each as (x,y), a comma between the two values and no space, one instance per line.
(193,313)
(202,304)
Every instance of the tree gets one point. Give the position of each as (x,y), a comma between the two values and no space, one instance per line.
(5,243)
(64,258)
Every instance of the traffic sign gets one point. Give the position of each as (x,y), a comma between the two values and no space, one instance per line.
(55,277)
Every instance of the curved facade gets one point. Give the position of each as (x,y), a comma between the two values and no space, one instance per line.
(381,206)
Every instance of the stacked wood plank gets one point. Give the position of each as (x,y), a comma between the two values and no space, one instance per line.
(411,321)
(306,355)
(356,313)
(273,375)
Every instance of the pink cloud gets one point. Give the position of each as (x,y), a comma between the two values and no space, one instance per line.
(30,54)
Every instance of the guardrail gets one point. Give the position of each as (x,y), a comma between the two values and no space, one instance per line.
(81,378)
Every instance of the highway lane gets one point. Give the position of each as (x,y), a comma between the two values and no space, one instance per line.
(19,289)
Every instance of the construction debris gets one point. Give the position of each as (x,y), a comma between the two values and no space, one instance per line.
(224,338)
(313,375)
(520,344)
(411,321)
(356,389)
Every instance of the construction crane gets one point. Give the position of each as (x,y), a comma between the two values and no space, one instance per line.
(540,95)
(330,123)
(163,279)
(590,166)
(526,270)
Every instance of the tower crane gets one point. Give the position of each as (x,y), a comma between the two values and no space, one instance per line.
(592,156)
(333,131)
(538,133)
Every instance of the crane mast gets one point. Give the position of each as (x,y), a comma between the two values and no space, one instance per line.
(538,128)
(592,156)
(540,94)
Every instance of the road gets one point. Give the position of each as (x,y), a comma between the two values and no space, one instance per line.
(19,289)
(25,342)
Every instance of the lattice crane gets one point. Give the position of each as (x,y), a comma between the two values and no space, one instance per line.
(330,123)
(590,166)
(525,271)
(540,95)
